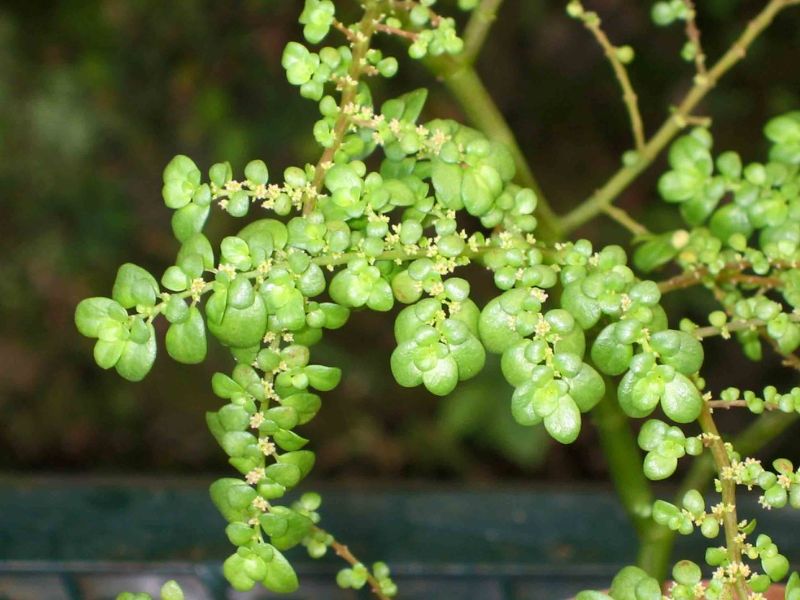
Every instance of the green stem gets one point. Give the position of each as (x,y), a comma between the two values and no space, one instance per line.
(730,521)
(627,221)
(360,47)
(703,84)
(478,29)
(749,442)
(634,490)
(480,109)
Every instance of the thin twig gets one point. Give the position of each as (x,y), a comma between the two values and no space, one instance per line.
(728,404)
(366,28)
(624,219)
(592,22)
(346,31)
(626,175)
(344,552)
(732,272)
(730,522)
(751,324)
(790,360)
(409,35)
(693,35)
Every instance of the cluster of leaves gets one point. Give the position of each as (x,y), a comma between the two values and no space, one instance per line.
(743,242)
(169,591)
(380,213)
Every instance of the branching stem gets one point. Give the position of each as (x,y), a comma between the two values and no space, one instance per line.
(624,219)
(345,554)
(620,181)
(730,522)
(693,35)
(360,43)
(593,23)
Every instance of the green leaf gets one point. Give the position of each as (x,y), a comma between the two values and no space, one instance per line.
(280,576)
(446,179)
(186,341)
(289,440)
(628,402)
(92,313)
(728,220)
(413,103)
(106,354)
(133,286)
(171,591)
(681,401)
(402,364)
(586,388)
(136,359)
(586,310)
(240,328)
(610,356)
(496,332)
(286,527)
(197,245)
(305,404)
(475,193)
(323,378)
(658,467)
(219,492)
(233,569)
(775,566)
(564,424)
(188,221)
(655,252)
(443,378)
(302,459)
(678,349)
(286,474)
(623,587)
(470,357)
(522,406)
(233,417)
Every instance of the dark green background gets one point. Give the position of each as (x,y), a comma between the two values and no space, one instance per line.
(97,95)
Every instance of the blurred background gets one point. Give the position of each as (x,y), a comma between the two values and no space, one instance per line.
(97,95)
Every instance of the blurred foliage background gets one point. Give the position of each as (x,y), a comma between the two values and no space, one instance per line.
(97,95)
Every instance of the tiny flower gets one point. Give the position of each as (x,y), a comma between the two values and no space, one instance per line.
(255,475)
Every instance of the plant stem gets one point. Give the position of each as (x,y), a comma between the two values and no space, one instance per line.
(730,522)
(710,331)
(677,121)
(480,109)
(693,35)
(592,22)
(625,466)
(731,272)
(344,552)
(478,28)
(624,219)
(758,434)
(360,46)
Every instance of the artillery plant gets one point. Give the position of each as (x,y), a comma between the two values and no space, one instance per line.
(387,218)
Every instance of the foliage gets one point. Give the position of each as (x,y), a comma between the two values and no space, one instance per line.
(575,327)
